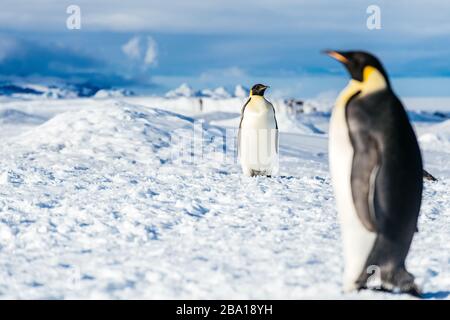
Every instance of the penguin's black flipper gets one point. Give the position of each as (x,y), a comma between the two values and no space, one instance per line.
(366,162)
(238,144)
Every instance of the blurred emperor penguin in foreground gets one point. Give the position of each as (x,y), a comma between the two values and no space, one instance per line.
(376,171)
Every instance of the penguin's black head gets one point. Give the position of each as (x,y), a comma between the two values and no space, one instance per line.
(357,62)
(258,89)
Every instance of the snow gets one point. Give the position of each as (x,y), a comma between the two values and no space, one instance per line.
(240,91)
(437,136)
(112,93)
(184,90)
(12,116)
(219,93)
(142,197)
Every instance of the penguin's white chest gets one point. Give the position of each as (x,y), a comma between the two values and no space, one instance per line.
(258,138)
(357,240)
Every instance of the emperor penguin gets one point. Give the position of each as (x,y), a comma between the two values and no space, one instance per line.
(258,135)
(376,170)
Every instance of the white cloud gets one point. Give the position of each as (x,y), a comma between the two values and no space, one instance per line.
(131,48)
(142,50)
(151,53)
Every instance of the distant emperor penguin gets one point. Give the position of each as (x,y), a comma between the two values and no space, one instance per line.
(376,171)
(258,135)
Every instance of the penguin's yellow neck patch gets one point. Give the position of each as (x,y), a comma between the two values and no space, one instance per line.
(258,104)
(373,80)
(367,72)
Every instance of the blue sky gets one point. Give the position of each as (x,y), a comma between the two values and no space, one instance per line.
(154,45)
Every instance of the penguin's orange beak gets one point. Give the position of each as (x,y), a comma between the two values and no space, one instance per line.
(336,55)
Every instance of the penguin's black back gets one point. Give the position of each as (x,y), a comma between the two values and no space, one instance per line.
(383,138)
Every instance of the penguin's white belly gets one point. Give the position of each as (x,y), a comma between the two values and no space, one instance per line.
(258,141)
(357,240)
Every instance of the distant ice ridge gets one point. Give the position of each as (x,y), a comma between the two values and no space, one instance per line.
(33,91)
(65,91)
(218,93)
(240,91)
(184,90)
(113,93)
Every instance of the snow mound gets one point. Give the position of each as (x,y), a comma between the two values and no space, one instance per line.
(12,116)
(113,93)
(218,93)
(436,136)
(184,90)
(240,91)
(112,131)
(287,123)
(221,93)
(322,104)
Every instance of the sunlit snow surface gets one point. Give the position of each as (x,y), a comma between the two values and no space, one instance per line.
(99,199)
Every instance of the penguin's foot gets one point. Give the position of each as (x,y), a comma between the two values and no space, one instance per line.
(261,174)
(247,172)
(412,290)
(255,173)
(400,282)
(403,282)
